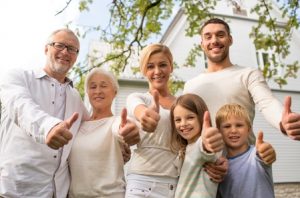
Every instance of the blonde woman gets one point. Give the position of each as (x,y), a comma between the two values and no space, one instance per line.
(153,170)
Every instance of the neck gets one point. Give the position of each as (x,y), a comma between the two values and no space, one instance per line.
(232,152)
(99,114)
(217,66)
(59,77)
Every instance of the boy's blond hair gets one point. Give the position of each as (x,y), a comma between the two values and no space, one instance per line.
(228,110)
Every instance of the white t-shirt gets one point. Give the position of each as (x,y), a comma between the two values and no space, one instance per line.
(243,85)
(153,156)
(96,162)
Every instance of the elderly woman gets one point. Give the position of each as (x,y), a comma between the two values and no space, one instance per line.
(96,161)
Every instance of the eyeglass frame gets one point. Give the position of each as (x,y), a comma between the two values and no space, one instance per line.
(53,44)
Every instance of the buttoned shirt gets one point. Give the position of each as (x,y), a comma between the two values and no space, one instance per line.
(31,106)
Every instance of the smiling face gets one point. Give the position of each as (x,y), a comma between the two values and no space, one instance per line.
(158,70)
(101,93)
(60,61)
(215,43)
(187,124)
(235,131)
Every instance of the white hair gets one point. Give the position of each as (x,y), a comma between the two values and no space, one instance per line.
(98,70)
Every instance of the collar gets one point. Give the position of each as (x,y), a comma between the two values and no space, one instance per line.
(40,73)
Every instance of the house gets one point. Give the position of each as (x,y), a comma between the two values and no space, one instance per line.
(286,171)
(243,52)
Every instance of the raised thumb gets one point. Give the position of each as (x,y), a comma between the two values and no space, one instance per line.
(260,138)
(71,120)
(206,120)
(155,101)
(123,117)
(287,105)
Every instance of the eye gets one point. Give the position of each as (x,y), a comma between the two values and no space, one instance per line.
(207,37)
(221,35)
(177,120)
(191,117)
(226,126)
(150,66)
(163,64)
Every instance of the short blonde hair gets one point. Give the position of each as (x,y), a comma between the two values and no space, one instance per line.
(98,70)
(153,49)
(228,110)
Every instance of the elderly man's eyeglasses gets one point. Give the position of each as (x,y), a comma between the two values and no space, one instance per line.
(61,47)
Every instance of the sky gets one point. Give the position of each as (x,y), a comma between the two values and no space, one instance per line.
(25,26)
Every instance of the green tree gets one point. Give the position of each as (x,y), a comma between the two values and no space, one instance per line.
(134,22)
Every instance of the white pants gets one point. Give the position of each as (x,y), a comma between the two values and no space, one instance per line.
(150,186)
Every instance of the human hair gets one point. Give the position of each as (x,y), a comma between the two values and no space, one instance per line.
(228,110)
(98,70)
(153,49)
(215,21)
(193,103)
(66,30)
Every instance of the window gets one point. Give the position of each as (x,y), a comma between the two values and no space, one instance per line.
(264,58)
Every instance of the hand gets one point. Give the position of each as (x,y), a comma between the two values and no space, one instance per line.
(265,150)
(211,138)
(128,130)
(126,153)
(60,134)
(290,121)
(150,116)
(218,170)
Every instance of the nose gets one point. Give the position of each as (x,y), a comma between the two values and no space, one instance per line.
(183,122)
(214,39)
(157,70)
(65,50)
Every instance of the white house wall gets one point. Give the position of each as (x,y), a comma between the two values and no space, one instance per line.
(242,52)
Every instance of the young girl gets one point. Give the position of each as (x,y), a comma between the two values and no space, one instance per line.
(190,121)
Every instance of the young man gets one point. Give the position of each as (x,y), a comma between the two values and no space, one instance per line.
(38,121)
(224,82)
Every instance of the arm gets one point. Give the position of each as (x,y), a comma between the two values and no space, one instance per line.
(217,170)
(22,109)
(264,99)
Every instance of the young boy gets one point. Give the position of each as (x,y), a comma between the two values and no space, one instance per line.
(248,176)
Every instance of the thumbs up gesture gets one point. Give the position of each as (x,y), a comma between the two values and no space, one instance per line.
(290,122)
(60,134)
(265,150)
(128,130)
(150,117)
(211,138)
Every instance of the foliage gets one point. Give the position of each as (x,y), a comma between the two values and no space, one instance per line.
(134,22)
(276,38)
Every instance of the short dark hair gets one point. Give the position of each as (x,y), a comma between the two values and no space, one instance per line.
(215,21)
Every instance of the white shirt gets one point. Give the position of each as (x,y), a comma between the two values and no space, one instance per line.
(96,161)
(28,167)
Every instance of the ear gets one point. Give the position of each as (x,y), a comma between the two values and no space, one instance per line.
(46,49)
(230,39)
(201,45)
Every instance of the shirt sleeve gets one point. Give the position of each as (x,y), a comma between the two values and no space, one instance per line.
(22,109)
(264,99)
(135,99)
(208,157)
